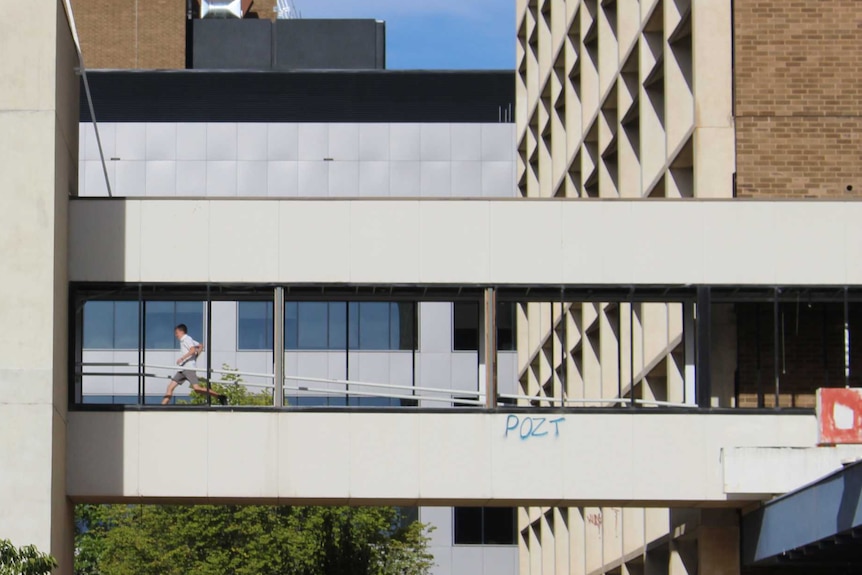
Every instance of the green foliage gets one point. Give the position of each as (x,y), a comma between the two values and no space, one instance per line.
(247,540)
(24,561)
(235,390)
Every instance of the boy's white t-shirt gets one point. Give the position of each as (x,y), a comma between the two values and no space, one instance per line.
(186,345)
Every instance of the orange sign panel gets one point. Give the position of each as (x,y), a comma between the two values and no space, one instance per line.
(839,416)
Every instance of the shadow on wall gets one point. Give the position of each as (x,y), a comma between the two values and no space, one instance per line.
(100,459)
(97,251)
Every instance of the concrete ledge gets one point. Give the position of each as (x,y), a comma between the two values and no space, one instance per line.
(463,242)
(416,458)
(761,472)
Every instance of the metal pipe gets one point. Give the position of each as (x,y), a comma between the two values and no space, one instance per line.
(775,348)
(278,345)
(490,348)
(209,339)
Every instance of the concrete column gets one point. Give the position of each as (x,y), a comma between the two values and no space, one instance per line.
(38,171)
(718,542)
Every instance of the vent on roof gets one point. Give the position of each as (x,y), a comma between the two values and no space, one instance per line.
(221,8)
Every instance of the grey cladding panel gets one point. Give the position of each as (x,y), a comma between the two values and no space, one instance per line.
(232,44)
(330,45)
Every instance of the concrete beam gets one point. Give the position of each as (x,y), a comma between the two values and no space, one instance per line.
(528,458)
(481,242)
(762,472)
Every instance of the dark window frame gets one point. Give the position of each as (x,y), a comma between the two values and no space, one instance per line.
(487,516)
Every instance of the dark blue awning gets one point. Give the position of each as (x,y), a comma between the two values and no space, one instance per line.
(819,524)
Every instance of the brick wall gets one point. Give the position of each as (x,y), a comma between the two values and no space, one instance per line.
(812,354)
(798,91)
(143,34)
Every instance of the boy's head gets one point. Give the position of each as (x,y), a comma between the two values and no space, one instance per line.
(180,331)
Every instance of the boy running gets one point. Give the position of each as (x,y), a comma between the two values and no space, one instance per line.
(190,349)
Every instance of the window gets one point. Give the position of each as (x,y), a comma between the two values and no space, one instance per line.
(466,329)
(365,325)
(163,316)
(115,324)
(254,325)
(111,325)
(485,526)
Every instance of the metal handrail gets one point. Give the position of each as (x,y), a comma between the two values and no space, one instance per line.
(381,385)
(175,368)
(450,393)
(390,396)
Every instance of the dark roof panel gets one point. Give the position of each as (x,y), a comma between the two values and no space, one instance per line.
(326,96)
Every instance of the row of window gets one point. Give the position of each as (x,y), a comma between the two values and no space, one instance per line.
(382,326)
(486,526)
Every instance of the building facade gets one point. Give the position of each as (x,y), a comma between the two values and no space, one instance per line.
(668,353)
(679,99)
(407,344)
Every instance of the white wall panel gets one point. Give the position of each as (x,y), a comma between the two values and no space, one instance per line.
(251,178)
(161,178)
(282,179)
(191,178)
(221,178)
(221,141)
(191,141)
(283,142)
(131,141)
(374,142)
(421,457)
(161,141)
(543,242)
(252,142)
(313,142)
(131,178)
(402,160)
(344,179)
(405,142)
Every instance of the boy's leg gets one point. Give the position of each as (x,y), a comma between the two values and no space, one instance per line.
(198,388)
(169,392)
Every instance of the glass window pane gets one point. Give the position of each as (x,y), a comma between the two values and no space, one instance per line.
(126,324)
(99,325)
(160,325)
(291,325)
(506,333)
(468,525)
(402,317)
(499,526)
(254,323)
(465,333)
(373,325)
(337,325)
(313,325)
(353,324)
(191,313)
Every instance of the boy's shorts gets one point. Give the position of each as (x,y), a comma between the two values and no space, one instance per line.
(185,375)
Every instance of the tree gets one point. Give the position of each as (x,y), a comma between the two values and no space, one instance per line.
(24,561)
(235,389)
(248,540)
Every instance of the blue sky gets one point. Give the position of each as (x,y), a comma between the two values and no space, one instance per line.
(434,34)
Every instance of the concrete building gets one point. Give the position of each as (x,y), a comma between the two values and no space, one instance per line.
(264,146)
(667,352)
(680,99)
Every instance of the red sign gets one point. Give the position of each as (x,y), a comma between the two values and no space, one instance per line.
(839,416)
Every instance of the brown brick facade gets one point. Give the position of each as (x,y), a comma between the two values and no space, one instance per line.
(128,34)
(798,97)
(140,34)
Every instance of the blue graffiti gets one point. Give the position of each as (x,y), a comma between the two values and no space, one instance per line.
(528,427)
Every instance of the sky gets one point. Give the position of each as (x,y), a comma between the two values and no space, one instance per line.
(433,34)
